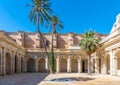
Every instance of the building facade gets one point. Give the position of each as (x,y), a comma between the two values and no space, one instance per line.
(24,52)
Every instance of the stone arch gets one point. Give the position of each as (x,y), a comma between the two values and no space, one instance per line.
(41,65)
(63,65)
(22,64)
(16,64)
(74,65)
(30,65)
(8,63)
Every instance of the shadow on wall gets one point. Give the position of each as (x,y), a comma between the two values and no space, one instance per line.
(29,41)
(61,43)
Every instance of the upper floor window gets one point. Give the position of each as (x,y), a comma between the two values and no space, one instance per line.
(47,43)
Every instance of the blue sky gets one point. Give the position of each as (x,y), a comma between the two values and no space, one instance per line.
(77,15)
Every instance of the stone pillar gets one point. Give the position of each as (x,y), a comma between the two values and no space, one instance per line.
(12,63)
(58,65)
(104,65)
(20,64)
(3,57)
(46,64)
(114,65)
(97,65)
(24,65)
(111,63)
(36,65)
(69,65)
(79,65)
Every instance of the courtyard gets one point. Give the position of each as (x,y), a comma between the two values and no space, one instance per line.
(44,79)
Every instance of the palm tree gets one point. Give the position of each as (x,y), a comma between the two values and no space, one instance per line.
(55,25)
(89,44)
(40,14)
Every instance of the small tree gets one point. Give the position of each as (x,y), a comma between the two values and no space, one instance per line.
(52,60)
(89,44)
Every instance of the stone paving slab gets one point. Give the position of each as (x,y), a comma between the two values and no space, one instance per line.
(44,79)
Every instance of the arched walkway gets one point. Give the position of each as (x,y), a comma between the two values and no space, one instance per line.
(30,65)
(41,65)
(74,65)
(8,63)
(63,65)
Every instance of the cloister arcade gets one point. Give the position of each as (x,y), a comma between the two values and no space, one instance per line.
(62,64)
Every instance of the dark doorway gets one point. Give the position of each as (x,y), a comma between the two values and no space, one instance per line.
(83,66)
(30,65)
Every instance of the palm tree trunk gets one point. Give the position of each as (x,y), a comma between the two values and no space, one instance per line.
(52,56)
(43,41)
(89,64)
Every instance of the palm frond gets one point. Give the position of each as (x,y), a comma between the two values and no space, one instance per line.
(89,42)
(40,9)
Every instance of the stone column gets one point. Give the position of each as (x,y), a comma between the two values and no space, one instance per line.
(104,65)
(46,64)
(58,65)
(3,57)
(69,65)
(97,65)
(36,64)
(79,65)
(24,65)
(111,63)
(11,63)
(114,65)
(20,64)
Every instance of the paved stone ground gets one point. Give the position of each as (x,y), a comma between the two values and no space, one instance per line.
(43,79)
(22,79)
